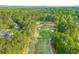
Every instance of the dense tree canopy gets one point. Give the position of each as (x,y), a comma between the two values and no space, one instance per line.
(21,25)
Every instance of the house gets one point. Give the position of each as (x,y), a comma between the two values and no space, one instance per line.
(6,34)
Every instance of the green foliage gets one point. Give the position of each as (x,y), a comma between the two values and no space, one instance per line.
(21,38)
(65,38)
(67,33)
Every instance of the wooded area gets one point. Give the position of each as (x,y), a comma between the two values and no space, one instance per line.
(39,30)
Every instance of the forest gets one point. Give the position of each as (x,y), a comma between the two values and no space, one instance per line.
(49,30)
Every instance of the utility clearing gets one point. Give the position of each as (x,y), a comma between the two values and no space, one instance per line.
(42,45)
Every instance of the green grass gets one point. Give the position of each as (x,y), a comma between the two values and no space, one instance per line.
(43,45)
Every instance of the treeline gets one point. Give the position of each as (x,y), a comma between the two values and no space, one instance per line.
(20,24)
(16,31)
(65,39)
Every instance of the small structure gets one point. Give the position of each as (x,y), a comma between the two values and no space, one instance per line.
(6,34)
(52,30)
(17,27)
